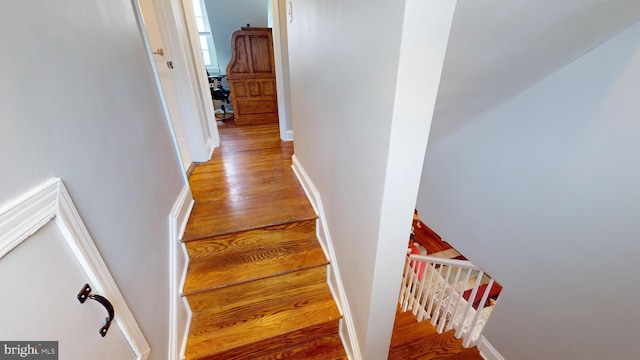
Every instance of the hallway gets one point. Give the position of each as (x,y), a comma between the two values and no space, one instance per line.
(256,281)
(246,177)
(257,274)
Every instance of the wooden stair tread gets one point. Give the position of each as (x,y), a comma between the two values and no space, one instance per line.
(255,263)
(252,186)
(467,354)
(412,333)
(212,331)
(321,348)
(441,346)
(225,216)
(245,293)
(284,346)
(403,318)
(257,276)
(239,241)
(420,341)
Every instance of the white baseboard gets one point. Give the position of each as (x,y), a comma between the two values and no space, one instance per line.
(180,312)
(347,327)
(487,351)
(289,135)
(211,146)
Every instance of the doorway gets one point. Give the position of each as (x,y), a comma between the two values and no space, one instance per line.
(226,16)
(161,58)
(167,33)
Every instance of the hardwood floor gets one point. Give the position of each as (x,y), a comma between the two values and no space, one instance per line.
(246,179)
(420,341)
(256,281)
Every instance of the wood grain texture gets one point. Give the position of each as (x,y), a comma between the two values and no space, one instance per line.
(326,348)
(251,75)
(258,262)
(307,343)
(247,184)
(257,277)
(213,331)
(420,341)
(241,294)
(467,354)
(240,241)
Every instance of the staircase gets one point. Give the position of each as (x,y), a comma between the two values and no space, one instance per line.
(257,277)
(444,287)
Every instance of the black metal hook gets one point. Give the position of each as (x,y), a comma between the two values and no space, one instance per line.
(85,294)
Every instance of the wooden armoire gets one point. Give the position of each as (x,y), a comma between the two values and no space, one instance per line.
(252,77)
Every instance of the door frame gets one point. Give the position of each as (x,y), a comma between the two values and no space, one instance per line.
(201,133)
(280,58)
(200,137)
(282,68)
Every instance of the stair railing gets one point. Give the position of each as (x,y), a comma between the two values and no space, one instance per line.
(432,289)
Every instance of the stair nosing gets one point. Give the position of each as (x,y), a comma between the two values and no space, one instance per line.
(226,239)
(193,292)
(209,236)
(327,321)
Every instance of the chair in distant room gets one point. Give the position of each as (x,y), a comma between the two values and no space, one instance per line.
(220,93)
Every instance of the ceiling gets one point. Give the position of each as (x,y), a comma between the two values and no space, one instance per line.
(498,48)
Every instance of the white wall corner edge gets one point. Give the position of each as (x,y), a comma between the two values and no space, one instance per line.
(347,326)
(487,351)
(180,312)
(212,144)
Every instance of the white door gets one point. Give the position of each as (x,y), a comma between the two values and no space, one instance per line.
(44,265)
(162,55)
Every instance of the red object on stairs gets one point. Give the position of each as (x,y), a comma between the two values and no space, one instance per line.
(420,267)
(493,293)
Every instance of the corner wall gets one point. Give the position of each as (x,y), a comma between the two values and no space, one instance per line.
(360,72)
(78,101)
(543,193)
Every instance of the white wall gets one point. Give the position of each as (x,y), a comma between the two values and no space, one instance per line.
(78,101)
(228,16)
(543,193)
(358,91)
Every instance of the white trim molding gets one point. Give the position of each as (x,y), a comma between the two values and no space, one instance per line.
(288,135)
(180,312)
(487,351)
(347,327)
(24,216)
(282,68)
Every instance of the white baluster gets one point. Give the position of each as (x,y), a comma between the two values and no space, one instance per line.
(474,323)
(421,296)
(459,301)
(452,293)
(425,266)
(430,285)
(403,287)
(434,318)
(469,303)
(410,280)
